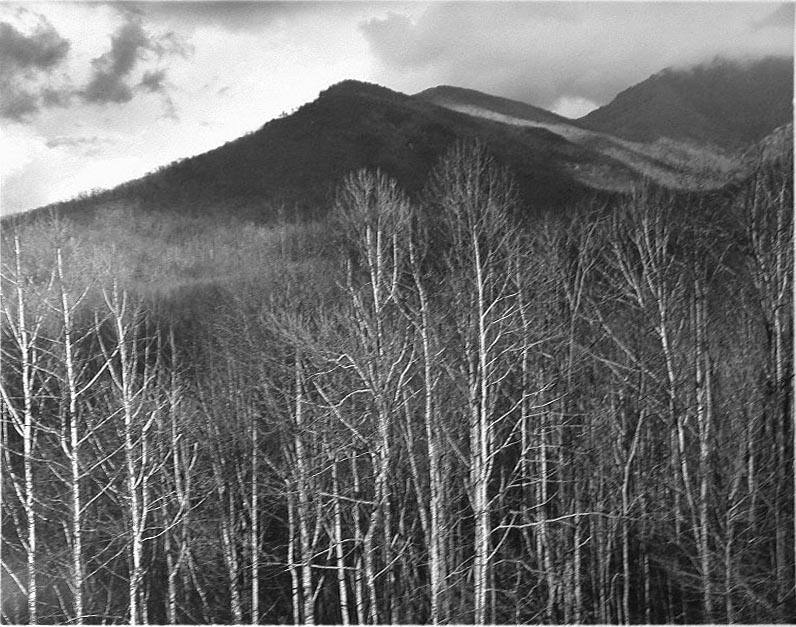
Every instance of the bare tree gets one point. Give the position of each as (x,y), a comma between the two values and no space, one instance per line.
(25,316)
(127,360)
(766,215)
(477,200)
(374,212)
(431,505)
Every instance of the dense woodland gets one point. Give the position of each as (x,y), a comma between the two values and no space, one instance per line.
(427,409)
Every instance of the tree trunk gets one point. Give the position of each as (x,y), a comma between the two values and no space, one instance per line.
(291,556)
(359,584)
(704,419)
(338,545)
(304,513)
(74,445)
(254,537)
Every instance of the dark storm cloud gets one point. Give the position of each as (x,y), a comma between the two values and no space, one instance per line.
(112,68)
(20,98)
(43,49)
(28,60)
(130,44)
(25,61)
(54,97)
(17,103)
(540,52)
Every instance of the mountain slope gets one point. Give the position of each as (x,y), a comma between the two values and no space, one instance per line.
(682,129)
(466,100)
(724,103)
(776,145)
(669,162)
(298,160)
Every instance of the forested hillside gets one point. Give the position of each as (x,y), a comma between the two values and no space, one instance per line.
(296,161)
(430,408)
(725,103)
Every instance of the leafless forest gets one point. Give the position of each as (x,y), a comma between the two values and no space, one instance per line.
(457,411)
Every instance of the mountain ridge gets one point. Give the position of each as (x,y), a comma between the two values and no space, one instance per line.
(727,103)
(298,160)
(448,95)
(301,158)
(672,163)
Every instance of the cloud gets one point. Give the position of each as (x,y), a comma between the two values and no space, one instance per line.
(20,99)
(43,49)
(85,146)
(781,17)
(236,16)
(26,61)
(54,97)
(112,68)
(76,142)
(538,52)
(573,108)
(398,42)
(153,80)
(169,109)
(15,102)
(112,82)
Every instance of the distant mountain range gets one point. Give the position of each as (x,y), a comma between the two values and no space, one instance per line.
(686,129)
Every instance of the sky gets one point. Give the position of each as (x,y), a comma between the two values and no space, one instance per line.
(96,93)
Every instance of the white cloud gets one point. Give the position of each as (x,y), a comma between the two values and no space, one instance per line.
(538,51)
(573,107)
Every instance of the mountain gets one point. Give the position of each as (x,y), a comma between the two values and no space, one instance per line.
(683,129)
(725,103)
(672,163)
(774,146)
(298,160)
(475,102)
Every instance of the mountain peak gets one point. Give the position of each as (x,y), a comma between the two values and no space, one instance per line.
(353,86)
(723,102)
(446,91)
(299,159)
